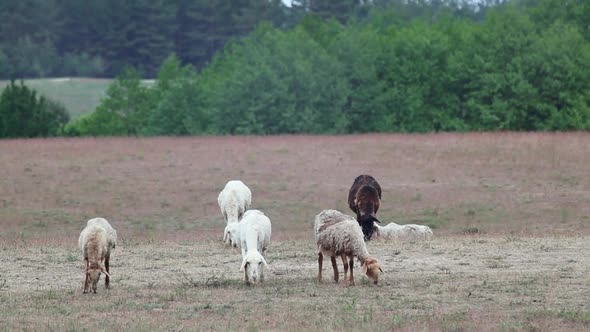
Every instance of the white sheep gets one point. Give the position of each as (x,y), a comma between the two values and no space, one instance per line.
(255,233)
(338,234)
(231,234)
(403,232)
(233,200)
(96,241)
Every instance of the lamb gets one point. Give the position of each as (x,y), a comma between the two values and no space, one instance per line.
(405,232)
(96,241)
(338,234)
(255,232)
(364,199)
(233,200)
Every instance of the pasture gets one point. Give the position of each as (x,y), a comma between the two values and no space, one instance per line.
(78,95)
(509,212)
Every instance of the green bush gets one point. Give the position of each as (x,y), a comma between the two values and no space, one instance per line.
(24,114)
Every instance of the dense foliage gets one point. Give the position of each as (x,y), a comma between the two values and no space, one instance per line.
(391,66)
(43,38)
(524,66)
(24,114)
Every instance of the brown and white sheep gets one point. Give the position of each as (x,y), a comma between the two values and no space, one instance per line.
(338,234)
(96,241)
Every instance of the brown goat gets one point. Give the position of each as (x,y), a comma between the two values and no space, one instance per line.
(364,198)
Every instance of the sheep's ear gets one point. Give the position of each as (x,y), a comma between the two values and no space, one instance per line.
(244,262)
(264,262)
(377,220)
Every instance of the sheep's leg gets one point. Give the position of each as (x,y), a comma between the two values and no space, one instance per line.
(320,261)
(85,275)
(345,264)
(246,276)
(351,283)
(107,279)
(335,267)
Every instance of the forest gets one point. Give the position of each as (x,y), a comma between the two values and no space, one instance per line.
(319,67)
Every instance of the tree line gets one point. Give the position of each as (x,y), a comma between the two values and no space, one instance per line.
(48,38)
(520,65)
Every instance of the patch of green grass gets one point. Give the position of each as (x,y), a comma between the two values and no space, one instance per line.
(575,316)
(397,321)
(508,326)
(434,218)
(72,258)
(78,95)
(564,215)
(454,321)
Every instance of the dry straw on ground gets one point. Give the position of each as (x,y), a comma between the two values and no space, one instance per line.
(510,214)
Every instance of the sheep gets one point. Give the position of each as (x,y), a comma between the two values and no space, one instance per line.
(408,231)
(96,241)
(255,233)
(231,234)
(233,200)
(364,199)
(338,234)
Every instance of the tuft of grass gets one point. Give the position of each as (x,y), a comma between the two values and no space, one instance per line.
(72,258)
(575,316)
(397,321)
(564,215)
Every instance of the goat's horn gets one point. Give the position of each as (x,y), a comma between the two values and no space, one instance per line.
(105,272)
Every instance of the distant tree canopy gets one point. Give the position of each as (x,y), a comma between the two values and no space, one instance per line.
(24,114)
(520,66)
(384,66)
(43,38)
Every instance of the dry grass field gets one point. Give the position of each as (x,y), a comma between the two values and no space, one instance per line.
(510,213)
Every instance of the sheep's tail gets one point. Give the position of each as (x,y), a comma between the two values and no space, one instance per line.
(367,223)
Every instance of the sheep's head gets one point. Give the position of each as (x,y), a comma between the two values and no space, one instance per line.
(253,263)
(93,272)
(230,234)
(371,268)
(367,223)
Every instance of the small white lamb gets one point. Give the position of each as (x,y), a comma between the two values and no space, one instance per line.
(233,200)
(403,232)
(255,232)
(96,241)
(338,234)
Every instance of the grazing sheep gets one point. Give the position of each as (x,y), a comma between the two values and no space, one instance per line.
(233,200)
(338,234)
(364,198)
(96,241)
(255,232)
(231,234)
(402,232)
